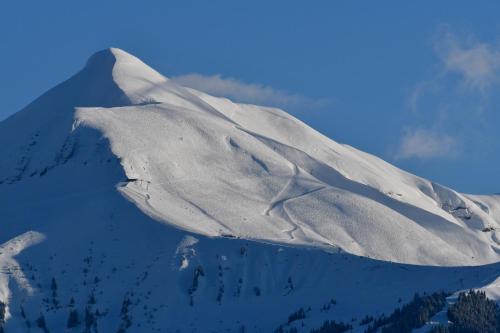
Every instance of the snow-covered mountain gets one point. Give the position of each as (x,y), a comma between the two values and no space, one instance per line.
(166,209)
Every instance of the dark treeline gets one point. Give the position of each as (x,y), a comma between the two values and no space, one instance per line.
(2,312)
(472,313)
(331,326)
(2,315)
(412,315)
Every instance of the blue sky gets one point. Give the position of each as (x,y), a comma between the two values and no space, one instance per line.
(414,83)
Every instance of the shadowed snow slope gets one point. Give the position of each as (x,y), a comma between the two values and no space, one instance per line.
(96,172)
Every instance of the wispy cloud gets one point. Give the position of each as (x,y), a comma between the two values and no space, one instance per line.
(477,63)
(420,90)
(424,144)
(452,102)
(249,92)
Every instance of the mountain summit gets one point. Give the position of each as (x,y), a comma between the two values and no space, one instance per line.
(124,186)
(130,74)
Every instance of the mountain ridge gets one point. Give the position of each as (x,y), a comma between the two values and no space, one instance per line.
(286,161)
(172,207)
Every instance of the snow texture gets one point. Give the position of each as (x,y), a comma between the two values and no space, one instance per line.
(172,207)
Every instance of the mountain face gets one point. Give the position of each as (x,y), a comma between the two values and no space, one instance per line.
(156,207)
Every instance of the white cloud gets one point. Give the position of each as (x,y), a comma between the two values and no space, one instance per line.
(419,91)
(425,144)
(478,63)
(453,97)
(467,70)
(248,92)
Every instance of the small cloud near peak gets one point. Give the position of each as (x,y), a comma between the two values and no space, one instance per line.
(426,144)
(476,62)
(248,92)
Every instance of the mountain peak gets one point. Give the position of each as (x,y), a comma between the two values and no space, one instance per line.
(111,57)
(127,71)
(122,63)
(104,58)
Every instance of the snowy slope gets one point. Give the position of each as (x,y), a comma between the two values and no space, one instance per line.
(121,184)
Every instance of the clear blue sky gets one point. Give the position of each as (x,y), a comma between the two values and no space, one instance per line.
(415,83)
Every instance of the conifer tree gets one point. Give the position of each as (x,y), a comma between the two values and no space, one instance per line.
(73,319)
